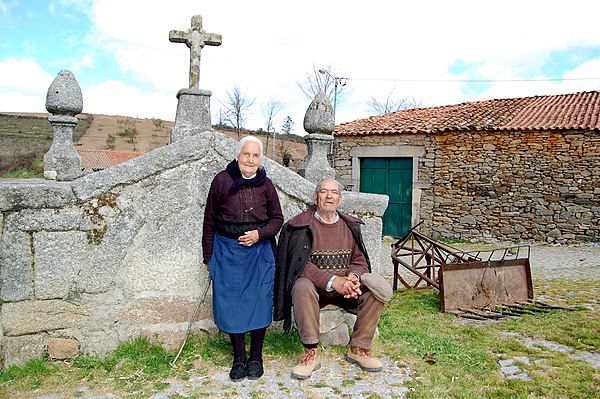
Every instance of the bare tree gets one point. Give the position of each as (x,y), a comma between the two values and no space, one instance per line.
(221,117)
(270,110)
(159,124)
(322,79)
(236,108)
(392,104)
(111,142)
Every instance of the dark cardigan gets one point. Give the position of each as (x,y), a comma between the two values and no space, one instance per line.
(232,213)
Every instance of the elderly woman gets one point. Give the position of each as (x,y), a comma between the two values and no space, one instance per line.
(241,219)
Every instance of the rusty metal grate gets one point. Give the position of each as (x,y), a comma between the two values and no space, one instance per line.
(477,284)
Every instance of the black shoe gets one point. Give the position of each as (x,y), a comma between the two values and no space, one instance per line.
(238,372)
(254,370)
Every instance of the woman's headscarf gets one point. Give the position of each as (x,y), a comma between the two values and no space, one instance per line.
(239,181)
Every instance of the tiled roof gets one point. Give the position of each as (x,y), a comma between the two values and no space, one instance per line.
(102,159)
(579,111)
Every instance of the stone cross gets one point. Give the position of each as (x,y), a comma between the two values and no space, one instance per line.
(195,38)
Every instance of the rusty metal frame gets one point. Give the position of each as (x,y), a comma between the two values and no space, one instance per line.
(485,284)
(490,283)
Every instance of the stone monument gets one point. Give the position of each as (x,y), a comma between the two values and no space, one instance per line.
(89,261)
(193,108)
(63,101)
(318,122)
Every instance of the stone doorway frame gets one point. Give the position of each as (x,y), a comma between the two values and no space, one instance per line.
(397,151)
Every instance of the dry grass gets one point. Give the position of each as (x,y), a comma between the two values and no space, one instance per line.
(25,138)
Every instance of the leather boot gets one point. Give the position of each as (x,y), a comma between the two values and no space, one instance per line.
(311,361)
(362,358)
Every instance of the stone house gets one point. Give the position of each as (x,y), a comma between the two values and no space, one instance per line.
(509,170)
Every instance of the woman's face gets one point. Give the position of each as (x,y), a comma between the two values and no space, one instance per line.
(249,159)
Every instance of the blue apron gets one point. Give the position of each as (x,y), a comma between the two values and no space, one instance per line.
(243,279)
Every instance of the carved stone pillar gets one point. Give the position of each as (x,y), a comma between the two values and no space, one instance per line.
(63,101)
(193,113)
(193,108)
(318,122)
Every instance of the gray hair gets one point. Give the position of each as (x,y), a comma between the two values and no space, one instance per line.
(318,186)
(242,143)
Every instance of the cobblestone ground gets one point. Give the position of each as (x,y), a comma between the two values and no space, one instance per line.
(569,263)
(337,378)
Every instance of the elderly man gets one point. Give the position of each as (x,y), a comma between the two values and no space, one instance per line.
(320,259)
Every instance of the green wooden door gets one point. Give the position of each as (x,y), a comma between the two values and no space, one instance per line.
(391,176)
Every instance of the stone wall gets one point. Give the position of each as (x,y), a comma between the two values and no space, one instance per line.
(347,164)
(499,186)
(92,262)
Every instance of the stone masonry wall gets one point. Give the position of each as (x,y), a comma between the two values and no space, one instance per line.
(518,186)
(501,186)
(425,175)
(115,254)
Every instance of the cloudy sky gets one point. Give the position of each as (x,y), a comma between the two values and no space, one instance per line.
(434,51)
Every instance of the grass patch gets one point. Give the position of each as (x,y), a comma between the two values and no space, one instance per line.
(34,370)
(31,168)
(456,359)
(448,357)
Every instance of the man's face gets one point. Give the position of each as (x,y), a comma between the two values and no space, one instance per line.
(249,159)
(328,198)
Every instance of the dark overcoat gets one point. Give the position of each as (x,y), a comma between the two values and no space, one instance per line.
(293,252)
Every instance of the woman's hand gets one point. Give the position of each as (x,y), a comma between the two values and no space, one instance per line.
(249,238)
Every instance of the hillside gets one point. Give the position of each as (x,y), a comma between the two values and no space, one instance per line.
(27,136)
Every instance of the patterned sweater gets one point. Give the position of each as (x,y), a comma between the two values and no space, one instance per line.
(334,252)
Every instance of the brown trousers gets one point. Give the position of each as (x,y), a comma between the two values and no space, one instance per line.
(308,300)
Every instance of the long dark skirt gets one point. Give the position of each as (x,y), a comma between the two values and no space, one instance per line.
(243,279)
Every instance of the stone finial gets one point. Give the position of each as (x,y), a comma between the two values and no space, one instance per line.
(64,95)
(319,115)
(318,122)
(63,101)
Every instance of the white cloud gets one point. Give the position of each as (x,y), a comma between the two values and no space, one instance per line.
(86,61)
(5,6)
(14,101)
(587,69)
(117,98)
(24,74)
(269,45)
(65,7)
